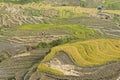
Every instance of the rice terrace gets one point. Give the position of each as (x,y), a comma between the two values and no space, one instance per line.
(59,39)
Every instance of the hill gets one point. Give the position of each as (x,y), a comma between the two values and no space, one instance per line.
(89,53)
(33,13)
(85,60)
(59,40)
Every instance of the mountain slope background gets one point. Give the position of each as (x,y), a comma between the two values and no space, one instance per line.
(107,4)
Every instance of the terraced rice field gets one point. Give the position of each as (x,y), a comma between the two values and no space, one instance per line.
(89,53)
(61,63)
(107,28)
(21,66)
(11,16)
(34,13)
(71,29)
(77,9)
(35,33)
(90,58)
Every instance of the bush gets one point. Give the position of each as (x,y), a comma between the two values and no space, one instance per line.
(82,4)
(56,42)
(42,45)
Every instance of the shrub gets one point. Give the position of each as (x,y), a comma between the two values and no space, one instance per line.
(56,42)
(42,45)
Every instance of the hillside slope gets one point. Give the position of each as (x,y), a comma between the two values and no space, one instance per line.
(84,60)
(89,53)
(59,40)
(107,4)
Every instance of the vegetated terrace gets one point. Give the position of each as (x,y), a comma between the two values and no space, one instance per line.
(64,11)
(75,29)
(88,53)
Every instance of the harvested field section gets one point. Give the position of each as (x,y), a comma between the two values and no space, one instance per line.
(21,66)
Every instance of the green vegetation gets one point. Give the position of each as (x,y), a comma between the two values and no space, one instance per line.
(70,11)
(55,43)
(107,4)
(45,68)
(112,4)
(42,45)
(76,30)
(89,53)
(116,19)
(63,32)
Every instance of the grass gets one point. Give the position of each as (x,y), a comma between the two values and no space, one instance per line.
(107,4)
(76,30)
(45,68)
(112,4)
(89,53)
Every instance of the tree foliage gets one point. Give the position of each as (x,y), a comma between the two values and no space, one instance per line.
(55,43)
